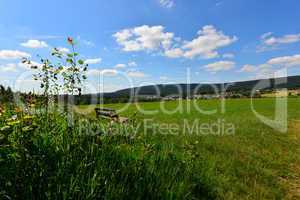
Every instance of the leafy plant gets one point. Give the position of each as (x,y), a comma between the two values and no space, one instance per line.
(66,75)
(74,69)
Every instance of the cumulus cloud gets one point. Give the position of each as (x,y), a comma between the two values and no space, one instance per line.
(269,68)
(174,53)
(93,61)
(144,38)
(167,3)
(286,39)
(206,44)
(35,44)
(285,61)
(270,42)
(220,66)
(136,74)
(10,67)
(13,54)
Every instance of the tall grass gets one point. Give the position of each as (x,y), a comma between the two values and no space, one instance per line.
(55,161)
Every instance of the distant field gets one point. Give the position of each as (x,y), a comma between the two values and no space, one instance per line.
(256,162)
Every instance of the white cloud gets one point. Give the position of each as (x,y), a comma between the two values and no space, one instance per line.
(285,61)
(265,71)
(174,53)
(286,39)
(93,61)
(10,67)
(109,72)
(273,65)
(35,44)
(167,3)
(248,68)
(136,74)
(270,42)
(144,37)
(103,72)
(207,43)
(228,55)
(260,71)
(132,64)
(13,54)
(63,49)
(220,66)
(120,66)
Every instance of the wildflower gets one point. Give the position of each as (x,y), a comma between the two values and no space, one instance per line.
(13,118)
(18,110)
(28,117)
(70,41)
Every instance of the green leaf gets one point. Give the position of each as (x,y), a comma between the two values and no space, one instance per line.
(69,60)
(80,62)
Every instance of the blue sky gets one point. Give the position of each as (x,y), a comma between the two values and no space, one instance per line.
(154,41)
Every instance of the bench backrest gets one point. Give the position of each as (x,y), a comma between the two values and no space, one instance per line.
(106,112)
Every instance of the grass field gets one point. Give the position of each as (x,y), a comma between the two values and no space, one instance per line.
(43,156)
(257,162)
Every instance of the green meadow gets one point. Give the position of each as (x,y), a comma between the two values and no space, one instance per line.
(42,156)
(256,162)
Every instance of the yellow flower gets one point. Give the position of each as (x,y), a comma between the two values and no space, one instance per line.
(18,110)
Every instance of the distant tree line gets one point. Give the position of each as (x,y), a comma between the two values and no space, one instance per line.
(6,94)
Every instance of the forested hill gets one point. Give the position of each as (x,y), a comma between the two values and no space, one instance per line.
(182,90)
(291,82)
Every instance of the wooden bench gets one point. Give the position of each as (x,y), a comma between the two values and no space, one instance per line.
(110,114)
(106,113)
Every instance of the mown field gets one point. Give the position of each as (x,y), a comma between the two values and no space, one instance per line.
(256,162)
